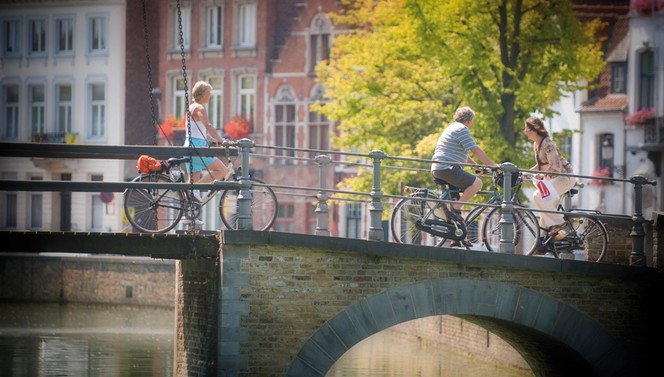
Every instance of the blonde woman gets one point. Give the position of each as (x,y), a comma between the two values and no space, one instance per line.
(202,130)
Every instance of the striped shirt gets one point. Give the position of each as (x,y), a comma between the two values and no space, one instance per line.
(453,146)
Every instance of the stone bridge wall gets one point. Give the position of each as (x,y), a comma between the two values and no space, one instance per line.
(287,286)
(87,279)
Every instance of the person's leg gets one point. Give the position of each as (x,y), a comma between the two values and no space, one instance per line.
(469,192)
(217,172)
(457,177)
(562,184)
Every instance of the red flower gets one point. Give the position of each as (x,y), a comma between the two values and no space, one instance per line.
(604,172)
(647,6)
(640,116)
(166,128)
(237,128)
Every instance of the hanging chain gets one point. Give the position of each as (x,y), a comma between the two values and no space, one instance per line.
(186,96)
(150,84)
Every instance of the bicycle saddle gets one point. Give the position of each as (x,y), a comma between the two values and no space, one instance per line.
(177,160)
(445,186)
(572,192)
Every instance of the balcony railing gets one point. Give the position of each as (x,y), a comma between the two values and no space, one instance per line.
(653,132)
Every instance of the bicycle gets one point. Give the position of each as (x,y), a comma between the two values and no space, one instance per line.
(160,210)
(425,218)
(584,234)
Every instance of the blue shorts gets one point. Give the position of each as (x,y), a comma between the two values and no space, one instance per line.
(199,163)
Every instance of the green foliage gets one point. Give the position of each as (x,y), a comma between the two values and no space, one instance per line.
(396,78)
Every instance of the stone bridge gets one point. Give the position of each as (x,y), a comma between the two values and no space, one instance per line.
(294,304)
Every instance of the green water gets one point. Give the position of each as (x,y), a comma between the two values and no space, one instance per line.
(82,340)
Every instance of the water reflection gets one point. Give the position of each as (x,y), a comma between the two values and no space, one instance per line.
(80,340)
(388,353)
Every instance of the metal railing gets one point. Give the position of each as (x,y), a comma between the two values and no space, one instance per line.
(246,149)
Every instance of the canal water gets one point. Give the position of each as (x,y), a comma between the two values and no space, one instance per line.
(110,340)
(82,340)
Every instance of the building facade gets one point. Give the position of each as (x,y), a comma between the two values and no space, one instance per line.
(259,56)
(605,138)
(60,61)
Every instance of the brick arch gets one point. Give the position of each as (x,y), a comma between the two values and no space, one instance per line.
(555,339)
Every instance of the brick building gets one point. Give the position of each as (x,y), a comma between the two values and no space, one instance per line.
(259,56)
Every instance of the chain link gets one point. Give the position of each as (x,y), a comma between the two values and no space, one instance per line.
(150,84)
(186,96)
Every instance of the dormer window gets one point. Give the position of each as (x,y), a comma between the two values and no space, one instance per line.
(619,77)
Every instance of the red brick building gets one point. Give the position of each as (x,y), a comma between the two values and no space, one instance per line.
(259,56)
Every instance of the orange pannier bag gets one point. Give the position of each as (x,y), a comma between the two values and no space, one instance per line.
(147,164)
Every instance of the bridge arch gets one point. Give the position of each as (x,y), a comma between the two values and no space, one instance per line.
(555,339)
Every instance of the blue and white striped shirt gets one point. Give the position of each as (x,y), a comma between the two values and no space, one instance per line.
(453,146)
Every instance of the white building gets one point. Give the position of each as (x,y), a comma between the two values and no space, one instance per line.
(61,80)
(602,138)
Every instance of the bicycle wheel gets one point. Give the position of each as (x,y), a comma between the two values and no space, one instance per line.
(263,207)
(588,239)
(526,230)
(474,222)
(153,210)
(406,212)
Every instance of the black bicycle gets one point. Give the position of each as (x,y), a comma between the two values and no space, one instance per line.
(160,210)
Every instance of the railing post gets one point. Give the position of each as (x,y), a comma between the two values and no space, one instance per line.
(507,208)
(322,210)
(245,196)
(637,257)
(376,207)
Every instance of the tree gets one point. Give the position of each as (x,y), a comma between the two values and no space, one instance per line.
(395,79)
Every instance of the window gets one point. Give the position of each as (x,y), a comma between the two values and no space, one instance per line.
(319,137)
(11,37)
(96,206)
(647,80)
(284,129)
(354,220)
(565,145)
(213,35)
(319,42)
(97,34)
(64,35)
(9,204)
(606,152)
(63,100)
(246,21)
(284,122)
(319,125)
(37,37)
(285,218)
(179,100)
(36,202)
(247,96)
(215,108)
(37,106)
(10,96)
(618,77)
(185,17)
(97,103)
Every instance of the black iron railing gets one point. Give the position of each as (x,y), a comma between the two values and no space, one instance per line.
(653,132)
